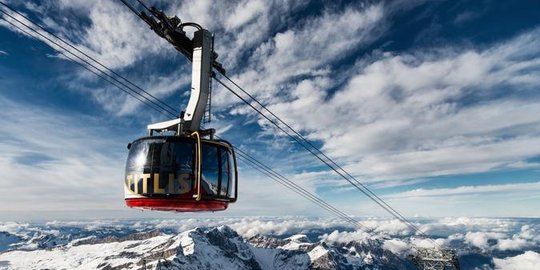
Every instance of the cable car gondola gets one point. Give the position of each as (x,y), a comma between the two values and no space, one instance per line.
(188,171)
(180,173)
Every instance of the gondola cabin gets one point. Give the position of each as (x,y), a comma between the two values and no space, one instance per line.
(183,168)
(184,174)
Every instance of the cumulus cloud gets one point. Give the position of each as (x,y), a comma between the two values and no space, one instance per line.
(51,159)
(114,37)
(482,239)
(13,227)
(129,42)
(526,261)
(427,112)
(456,224)
(346,237)
(406,117)
(289,54)
(397,246)
(68,164)
(391,227)
(504,200)
(515,187)
(490,240)
(113,46)
(490,235)
(251,227)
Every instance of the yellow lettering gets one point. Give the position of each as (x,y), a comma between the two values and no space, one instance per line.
(145,178)
(129,181)
(156,185)
(136,176)
(183,180)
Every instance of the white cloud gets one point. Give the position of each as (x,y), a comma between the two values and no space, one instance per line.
(122,104)
(481,239)
(305,51)
(427,242)
(404,109)
(237,31)
(526,261)
(108,38)
(51,161)
(115,38)
(397,246)
(528,232)
(405,116)
(245,226)
(391,227)
(346,237)
(119,39)
(490,240)
(456,224)
(514,188)
(13,227)
(245,12)
(69,163)
(480,233)
(513,244)
(3,52)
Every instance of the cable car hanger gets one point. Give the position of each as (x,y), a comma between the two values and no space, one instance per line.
(189,170)
(440,255)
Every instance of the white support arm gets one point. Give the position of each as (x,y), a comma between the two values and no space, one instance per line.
(200,87)
(200,80)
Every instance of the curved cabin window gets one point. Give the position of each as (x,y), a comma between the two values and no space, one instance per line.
(216,170)
(225,172)
(163,168)
(159,168)
(210,169)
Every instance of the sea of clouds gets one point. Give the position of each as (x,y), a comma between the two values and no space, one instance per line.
(510,243)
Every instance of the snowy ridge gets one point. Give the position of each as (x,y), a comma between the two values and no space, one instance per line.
(261,243)
(212,248)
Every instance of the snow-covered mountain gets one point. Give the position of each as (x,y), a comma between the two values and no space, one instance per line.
(214,248)
(262,243)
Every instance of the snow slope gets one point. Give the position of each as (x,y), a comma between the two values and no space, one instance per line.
(213,248)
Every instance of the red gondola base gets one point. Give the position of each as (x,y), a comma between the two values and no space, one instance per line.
(177,205)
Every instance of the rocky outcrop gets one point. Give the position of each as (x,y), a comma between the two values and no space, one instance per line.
(212,248)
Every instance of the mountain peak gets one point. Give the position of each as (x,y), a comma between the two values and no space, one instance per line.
(201,248)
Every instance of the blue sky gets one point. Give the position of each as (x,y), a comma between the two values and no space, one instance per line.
(434,104)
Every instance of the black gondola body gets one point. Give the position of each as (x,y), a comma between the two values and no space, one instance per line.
(174,173)
(188,171)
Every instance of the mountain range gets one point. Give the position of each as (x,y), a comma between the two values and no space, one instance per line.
(159,244)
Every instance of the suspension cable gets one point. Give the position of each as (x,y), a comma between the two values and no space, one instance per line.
(302,141)
(143,5)
(174,113)
(133,9)
(399,217)
(170,109)
(317,152)
(346,218)
(245,157)
(298,189)
(92,71)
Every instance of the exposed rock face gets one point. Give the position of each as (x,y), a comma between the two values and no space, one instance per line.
(297,252)
(214,248)
(109,239)
(7,239)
